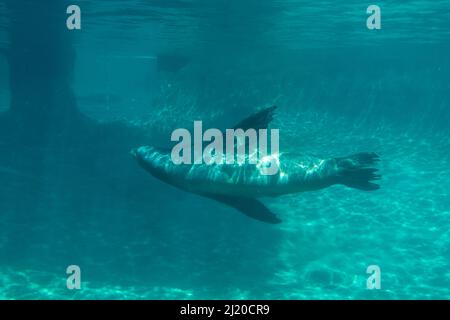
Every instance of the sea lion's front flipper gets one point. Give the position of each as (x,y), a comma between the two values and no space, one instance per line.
(248,206)
(258,120)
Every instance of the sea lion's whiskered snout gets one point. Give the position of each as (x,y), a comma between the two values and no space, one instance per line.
(141,152)
(133,153)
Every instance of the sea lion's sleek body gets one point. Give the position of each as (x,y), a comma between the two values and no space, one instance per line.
(294,175)
(239,185)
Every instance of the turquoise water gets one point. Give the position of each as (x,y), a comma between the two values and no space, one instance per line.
(75,102)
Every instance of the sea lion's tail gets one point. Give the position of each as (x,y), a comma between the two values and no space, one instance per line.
(356,171)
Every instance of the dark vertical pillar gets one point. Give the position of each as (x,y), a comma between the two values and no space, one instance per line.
(41,59)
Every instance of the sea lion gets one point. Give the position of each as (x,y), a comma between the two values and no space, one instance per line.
(239,186)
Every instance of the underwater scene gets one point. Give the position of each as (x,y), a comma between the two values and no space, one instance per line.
(355,95)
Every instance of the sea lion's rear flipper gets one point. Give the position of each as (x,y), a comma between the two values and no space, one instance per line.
(357,171)
(258,120)
(248,206)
